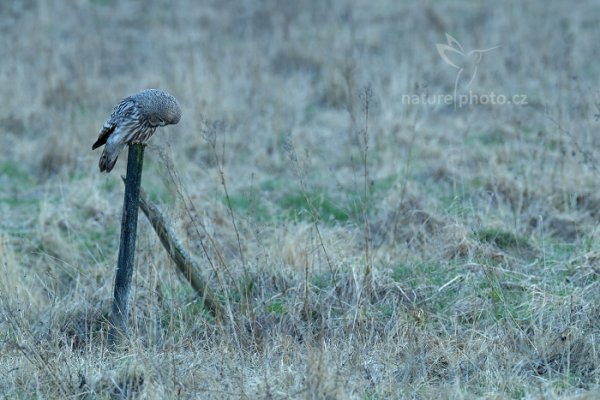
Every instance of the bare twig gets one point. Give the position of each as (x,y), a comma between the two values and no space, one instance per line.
(311,207)
(368,94)
(588,156)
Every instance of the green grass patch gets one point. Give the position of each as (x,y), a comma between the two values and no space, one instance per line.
(384,185)
(312,206)
(108,185)
(196,309)
(14,179)
(321,281)
(502,239)
(15,201)
(423,272)
(106,239)
(248,206)
(293,203)
(492,137)
(13,171)
(275,307)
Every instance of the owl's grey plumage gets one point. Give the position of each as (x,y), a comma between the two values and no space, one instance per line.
(134,120)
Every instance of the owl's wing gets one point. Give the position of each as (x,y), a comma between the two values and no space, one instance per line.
(122,111)
(107,129)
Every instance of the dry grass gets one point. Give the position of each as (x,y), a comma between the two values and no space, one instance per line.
(418,251)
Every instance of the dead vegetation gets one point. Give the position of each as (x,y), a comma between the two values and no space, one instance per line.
(360,247)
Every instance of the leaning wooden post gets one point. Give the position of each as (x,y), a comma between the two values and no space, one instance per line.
(125,263)
(186,265)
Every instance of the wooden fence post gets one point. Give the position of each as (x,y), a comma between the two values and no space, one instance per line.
(125,263)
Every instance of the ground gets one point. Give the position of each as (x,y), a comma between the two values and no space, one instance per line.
(391,199)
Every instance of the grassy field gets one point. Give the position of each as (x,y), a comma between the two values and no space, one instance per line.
(366,239)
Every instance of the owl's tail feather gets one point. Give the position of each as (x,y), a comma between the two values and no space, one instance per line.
(109,158)
(99,143)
